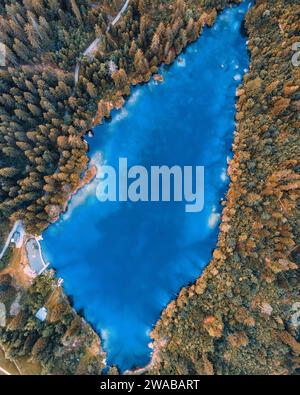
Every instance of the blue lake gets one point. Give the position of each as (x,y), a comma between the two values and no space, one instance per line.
(123,262)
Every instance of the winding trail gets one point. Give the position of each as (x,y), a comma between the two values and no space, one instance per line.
(93,46)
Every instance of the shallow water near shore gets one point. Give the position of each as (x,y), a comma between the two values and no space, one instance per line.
(123,262)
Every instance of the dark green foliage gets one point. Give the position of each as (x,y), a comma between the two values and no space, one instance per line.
(7,290)
(6,257)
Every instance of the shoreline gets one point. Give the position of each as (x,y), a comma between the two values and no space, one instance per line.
(236,317)
(105,108)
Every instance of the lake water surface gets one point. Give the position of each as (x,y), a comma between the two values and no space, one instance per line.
(123,262)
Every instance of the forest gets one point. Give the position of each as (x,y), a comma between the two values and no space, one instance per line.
(45,111)
(62,344)
(237,318)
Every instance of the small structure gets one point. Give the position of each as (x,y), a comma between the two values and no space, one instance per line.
(41,314)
